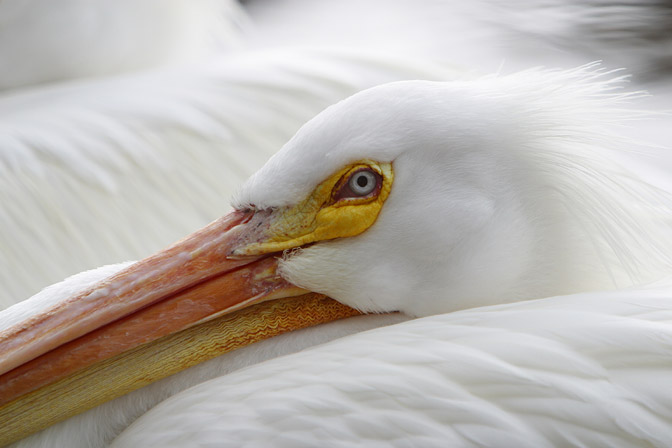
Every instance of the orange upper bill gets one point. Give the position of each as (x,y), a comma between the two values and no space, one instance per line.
(188,283)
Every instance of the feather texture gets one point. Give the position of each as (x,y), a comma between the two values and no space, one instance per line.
(96,171)
(83,164)
(98,427)
(584,370)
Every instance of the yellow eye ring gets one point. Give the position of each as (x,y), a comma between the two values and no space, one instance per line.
(331,211)
(360,183)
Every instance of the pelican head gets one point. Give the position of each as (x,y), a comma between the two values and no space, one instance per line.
(419,197)
(500,189)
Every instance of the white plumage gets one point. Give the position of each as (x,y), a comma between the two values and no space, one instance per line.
(83,162)
(105,106)
(582,370)
(533,205)
(552,371)
(45,42)
(518,173)
(99,426)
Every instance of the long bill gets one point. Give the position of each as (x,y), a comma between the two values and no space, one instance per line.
(177,290)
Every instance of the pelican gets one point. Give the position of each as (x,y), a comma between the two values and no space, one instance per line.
(106,129)
(474,205)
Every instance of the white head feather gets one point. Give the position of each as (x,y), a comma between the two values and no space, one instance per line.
(505,189)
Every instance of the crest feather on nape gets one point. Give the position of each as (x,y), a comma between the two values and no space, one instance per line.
(572,132)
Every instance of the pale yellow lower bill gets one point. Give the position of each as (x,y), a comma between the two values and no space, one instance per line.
(151,362)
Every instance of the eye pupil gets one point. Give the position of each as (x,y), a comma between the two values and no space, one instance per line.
(362,181)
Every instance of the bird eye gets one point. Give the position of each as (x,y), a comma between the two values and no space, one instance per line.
(362,182)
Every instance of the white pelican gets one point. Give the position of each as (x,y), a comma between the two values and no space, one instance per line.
(114,114)
(423,198)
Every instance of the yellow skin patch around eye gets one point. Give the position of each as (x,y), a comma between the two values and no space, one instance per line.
(320,216)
